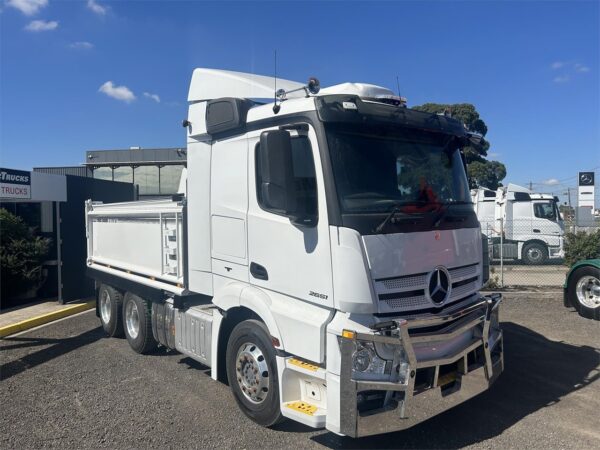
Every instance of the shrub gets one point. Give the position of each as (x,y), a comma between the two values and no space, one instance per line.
(21,255)
(581,245)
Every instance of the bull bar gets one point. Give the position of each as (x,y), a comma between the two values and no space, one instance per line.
(478,364)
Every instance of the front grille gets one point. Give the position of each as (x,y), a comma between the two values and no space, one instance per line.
(414,302)
(408,292)
(405,282)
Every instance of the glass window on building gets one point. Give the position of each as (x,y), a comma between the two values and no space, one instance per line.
(103,173)
(146,177)
(169,179)
(123,174)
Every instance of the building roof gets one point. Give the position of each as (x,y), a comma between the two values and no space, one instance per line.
(138,156)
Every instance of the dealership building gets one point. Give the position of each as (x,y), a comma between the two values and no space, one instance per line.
(154,171)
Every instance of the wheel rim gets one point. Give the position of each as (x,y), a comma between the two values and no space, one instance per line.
(252,372)
(105,303)
(588,291)
(132,319)
(534,254)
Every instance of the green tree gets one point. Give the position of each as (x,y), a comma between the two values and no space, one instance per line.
(581,245)
(486,173)
(481,171)
(21,255)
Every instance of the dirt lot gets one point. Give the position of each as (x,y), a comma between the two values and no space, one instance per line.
(66,385)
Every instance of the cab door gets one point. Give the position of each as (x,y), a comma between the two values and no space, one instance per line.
(291,259)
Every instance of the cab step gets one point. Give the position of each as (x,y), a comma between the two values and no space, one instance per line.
(305,368)
(305,413)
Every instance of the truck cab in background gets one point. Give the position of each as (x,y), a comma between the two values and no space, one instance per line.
(528,225)
(324,257)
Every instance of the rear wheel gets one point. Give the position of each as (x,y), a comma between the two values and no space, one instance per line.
(534,254)
(137,323)
(252,372)
(109,306)
(583,290)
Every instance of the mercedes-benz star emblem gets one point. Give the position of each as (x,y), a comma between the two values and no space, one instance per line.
(439,285)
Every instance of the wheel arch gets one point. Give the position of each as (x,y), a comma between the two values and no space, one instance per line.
(572,270)
(535,241)
(239,303)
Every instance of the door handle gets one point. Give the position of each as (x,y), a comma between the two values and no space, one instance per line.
(535,230)
(258,271)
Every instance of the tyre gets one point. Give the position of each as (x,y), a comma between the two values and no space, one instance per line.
(583,291)
(109,308)
(534,254)
(137,323)
(252,372)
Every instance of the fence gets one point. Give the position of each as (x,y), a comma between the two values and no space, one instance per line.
(529,253)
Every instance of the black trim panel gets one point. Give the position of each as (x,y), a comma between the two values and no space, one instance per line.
(398,295)
(463,282)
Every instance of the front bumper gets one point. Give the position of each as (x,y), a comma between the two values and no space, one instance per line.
(434,385)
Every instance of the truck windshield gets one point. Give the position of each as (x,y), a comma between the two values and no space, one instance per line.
(379,168)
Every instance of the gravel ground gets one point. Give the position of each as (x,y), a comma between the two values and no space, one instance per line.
(66,385)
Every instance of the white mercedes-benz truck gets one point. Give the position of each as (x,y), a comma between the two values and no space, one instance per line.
(324,258)
(528,226)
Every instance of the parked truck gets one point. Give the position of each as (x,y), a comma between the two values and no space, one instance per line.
(324,257)
(520,224)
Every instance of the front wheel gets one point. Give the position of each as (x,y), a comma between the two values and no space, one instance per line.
(583,290)
(252,372)
(535,254)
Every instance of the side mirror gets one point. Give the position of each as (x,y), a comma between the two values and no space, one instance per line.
(277,188)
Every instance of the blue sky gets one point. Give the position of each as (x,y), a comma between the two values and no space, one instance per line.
(530,67)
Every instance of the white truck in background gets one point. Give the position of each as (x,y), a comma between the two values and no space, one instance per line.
(528,226)
(325,257)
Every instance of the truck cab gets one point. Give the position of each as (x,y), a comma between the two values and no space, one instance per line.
(529,225)
(325,257)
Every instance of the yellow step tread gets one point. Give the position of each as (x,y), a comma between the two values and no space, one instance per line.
(303,407)
(305,365)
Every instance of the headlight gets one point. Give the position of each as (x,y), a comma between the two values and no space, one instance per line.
(365,360)
(375,360)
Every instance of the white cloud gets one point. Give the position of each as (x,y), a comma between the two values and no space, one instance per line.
(27,7)
(154,97)
(122,93)
(561,79)
(551,182)
(557,65)
(581,68)
(97,7)
(81,45)
(494,155)
(42,25)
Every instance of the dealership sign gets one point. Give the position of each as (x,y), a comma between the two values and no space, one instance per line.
(15,183)
(585,195)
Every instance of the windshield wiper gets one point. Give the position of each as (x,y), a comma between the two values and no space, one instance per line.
(443,211)
(395,210)
(381,226)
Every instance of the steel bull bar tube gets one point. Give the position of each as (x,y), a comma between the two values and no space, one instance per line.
(451,358)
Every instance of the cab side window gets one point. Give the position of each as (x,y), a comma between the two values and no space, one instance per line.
(544,211)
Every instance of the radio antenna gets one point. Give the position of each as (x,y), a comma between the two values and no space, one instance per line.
(276,107)
(398,85)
